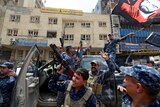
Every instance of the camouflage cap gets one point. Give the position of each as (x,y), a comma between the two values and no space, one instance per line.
(148,76)
(94,61)
(7,64)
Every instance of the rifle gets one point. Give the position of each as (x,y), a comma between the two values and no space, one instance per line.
(63,62)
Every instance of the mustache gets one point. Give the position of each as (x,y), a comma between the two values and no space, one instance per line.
(93,67)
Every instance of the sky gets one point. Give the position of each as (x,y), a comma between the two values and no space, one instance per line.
(85,5)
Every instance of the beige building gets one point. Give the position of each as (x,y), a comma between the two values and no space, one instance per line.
(23,27)
(23,3)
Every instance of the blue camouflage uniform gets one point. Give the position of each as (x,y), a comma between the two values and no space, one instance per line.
(110,47)
(102,76)
(81,52)
(71,62)
(127,101)
(103,79)
(65,76)
(148,76)
(6,86)
(69,59)
(75,96)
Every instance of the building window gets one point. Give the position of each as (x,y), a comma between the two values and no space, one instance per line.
(35,19)
(102,37)
(102,24)
(69,25)
(51,34)
(69,37)
(12,32)
(15,18)
(85,37)
(33,33)
(86,25)
(52,20)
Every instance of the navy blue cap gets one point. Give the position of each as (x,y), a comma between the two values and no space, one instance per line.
(148,76)
(7,64)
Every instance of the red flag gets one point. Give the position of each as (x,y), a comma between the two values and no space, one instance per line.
(143,12)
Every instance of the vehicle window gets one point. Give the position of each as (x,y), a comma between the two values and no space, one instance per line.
(85,62)
(31,66)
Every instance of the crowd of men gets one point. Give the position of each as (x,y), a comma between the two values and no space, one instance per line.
(88,88)
(74,95)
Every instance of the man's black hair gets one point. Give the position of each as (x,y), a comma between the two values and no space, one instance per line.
(149,61)
(68,47)
(83,72)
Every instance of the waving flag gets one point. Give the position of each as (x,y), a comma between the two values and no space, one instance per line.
(142,12)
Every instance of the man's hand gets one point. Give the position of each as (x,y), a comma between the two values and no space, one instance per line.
(131,34)
(12,73)
(77,60)
(60,69)
(122,89)
(104,55)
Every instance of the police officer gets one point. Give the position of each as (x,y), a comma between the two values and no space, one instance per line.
(110,46)
(121,87)
(70,57)
(142,85)
(81,50)
(98,79)
(72,60)
(150,63)
(77,94)
(6,84)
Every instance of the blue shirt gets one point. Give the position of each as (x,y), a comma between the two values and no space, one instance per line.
(104,75)
(81,52)
(75,96)
(6,87)
(126,102)
(69,59)
(110,46)
(71,62)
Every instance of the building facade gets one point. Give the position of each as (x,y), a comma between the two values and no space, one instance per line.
(23,3)
(23,27)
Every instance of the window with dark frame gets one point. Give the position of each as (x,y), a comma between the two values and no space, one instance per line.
(35,19)
(102,36)
(15,18)
(12,32)
(33,33)
(102,24)
(85,37)
(69,37)
(52,20)
(69,25)
(51,34)
(85,25)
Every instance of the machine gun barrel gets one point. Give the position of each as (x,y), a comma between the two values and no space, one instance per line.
(60,59)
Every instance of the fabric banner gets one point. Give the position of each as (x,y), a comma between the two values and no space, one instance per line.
(143,12)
